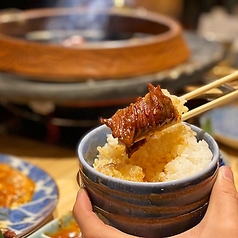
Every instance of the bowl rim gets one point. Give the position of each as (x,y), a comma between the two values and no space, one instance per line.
(213,165)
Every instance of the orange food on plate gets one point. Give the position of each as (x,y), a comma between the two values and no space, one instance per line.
(70,231)
(7,233)
(16,188)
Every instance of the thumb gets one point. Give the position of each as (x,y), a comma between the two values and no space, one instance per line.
(223,204)
(89,223)
(221,218)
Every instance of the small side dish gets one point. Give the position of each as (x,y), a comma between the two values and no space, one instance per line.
(64,227)
(26,215)
(7,233)
(222,124)
(65,231)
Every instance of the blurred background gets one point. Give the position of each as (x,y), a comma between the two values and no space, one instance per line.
(188,12)
(209,28)
(47,105)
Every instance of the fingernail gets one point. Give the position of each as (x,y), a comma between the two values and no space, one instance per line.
(79,191)
(227,174)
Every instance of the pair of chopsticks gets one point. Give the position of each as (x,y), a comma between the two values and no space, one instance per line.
(228,97)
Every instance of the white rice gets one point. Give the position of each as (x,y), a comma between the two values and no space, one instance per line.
(170,154)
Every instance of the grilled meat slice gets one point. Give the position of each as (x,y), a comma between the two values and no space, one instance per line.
(148,114)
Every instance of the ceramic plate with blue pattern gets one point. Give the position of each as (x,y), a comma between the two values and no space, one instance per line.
(222,123)
(29,216)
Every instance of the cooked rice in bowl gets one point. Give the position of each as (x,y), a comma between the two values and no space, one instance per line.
(170,154)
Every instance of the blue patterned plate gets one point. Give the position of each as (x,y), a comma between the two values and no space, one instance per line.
(222,123)
(223,159)
(29,216)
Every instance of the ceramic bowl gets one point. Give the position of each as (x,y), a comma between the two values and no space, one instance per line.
(146,209)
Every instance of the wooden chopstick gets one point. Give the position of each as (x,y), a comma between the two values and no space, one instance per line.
(212,104)
(219,82)
(216,102)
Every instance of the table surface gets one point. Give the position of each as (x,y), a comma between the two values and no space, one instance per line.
(62,164)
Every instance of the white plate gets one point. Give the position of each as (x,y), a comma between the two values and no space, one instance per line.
(222,123)
(29,216)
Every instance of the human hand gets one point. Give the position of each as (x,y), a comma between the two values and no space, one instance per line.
(220,220)
(90,225)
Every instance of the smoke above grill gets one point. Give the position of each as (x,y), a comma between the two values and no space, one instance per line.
(75,29)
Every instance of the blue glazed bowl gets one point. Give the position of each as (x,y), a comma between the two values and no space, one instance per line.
(146,209)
